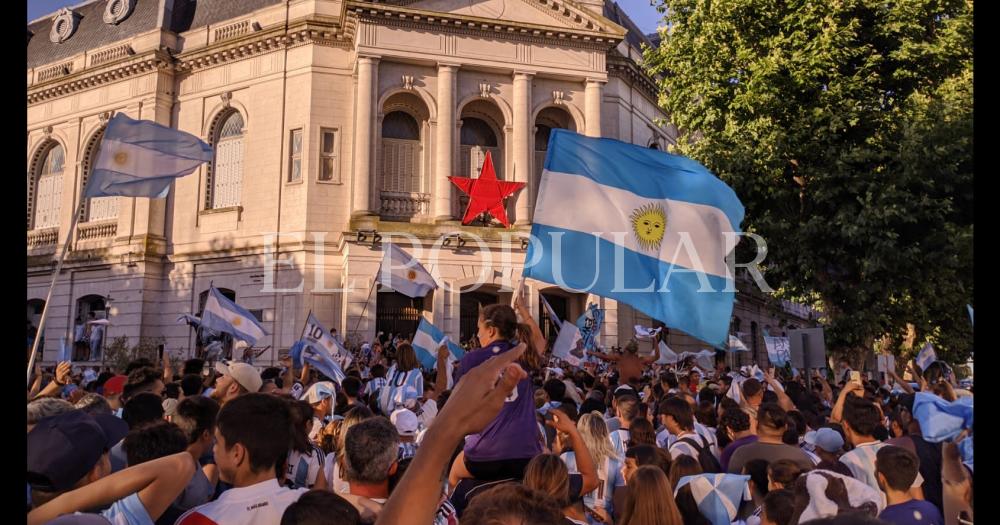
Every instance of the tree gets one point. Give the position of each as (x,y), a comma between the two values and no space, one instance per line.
(845,127)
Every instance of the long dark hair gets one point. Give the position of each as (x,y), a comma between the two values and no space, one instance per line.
(503,318)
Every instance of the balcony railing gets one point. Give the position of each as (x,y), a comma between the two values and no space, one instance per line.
(97,230)
(46,237)
(400,205)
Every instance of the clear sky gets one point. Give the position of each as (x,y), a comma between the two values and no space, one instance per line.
(640,11)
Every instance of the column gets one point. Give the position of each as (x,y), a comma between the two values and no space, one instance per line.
(367,78)
(593,96)
(522,153)
(444,156)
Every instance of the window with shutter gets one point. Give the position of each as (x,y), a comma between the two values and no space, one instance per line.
(295,156)
(227,171)
(48,192)
(98,208)
(328,156)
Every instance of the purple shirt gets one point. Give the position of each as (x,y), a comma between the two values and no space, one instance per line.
(730,448)
(513,434)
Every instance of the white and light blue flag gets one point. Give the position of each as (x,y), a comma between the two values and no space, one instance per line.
(589,325)
(667,356)
(736,345)
(659,242)
(778,350)
(303,352)
(926,357)
(224,316)
(316,334)
(718,496)
(426,342)
(552,313)
(140,158)
(641,332)
(404,274)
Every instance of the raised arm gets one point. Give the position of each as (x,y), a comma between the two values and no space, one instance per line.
(836,415)
(899,381)
(538,342)
(288,375)
(783,399)
(655,357)
(157,482)
(441,380)
(475,402)
(61,379)
(584,461)
(611,358)
(168,369)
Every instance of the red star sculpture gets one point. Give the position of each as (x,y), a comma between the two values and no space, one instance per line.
(486,194)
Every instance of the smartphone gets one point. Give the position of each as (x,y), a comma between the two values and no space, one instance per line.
(856,376)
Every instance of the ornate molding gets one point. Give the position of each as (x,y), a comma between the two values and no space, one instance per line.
(385,15)
(557,97)
(64,24)
(484,89)
(556,9)
(621,67)
(152,62)
(226,97)
(109,55)
(56,71)
(408,82)
(105,117)
(116,11)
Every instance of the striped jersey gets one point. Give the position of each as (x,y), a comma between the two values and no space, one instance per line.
(609,477)
(861,463)
(303,469)
(398,387)
(619,440)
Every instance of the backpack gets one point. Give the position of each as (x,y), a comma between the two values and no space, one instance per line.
(709,465)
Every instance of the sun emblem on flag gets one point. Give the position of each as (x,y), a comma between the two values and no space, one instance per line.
(121,158)
(237,321)
(411,274)
(649,222)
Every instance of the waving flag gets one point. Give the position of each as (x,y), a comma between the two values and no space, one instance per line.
(736,345)
(660,243)
(316,334)
(191,320)
(225,316)
(569,345)
(139,158)
(556,323)
(303,352)
(426,342)
(404,274)
(641,332)
(926,357)
(941,420)
(969,306)
(589,325)
(667,356)
(718,496)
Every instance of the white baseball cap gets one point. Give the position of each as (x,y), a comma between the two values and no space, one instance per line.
(405,421)
(246,375)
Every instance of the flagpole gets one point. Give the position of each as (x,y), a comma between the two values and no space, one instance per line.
(367,299)
(55,277)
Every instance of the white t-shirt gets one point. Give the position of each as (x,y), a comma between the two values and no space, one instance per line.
(259,504)
(609,477)
(333,477)
(861,463)
(128,511)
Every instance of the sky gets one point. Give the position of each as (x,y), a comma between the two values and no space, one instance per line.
(640,11)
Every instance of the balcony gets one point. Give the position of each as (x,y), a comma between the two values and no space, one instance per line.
(97,230)
(42,238)
(403,205)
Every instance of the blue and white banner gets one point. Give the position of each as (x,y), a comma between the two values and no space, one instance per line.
(569,345)
(641,332)
(224,316)
(926,357)
(718,496)
(778,350)
(140,158)
(316,334)
(736,344)
(404,274)
(426,342)
(589,325)
(661,239)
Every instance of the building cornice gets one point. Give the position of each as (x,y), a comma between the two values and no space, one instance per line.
(562,11)
(88,78)
(624,68)
(384,14)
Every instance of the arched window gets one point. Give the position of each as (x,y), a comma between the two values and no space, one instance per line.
(655,146)
(476,132)
(477,138)
(400,153)
(98,208)
(45,187)
(225,178)
(542,133)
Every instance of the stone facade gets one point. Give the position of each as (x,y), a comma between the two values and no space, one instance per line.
(329,117)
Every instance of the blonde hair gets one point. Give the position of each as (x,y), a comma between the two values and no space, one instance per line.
(594,432)
(650,499)
(548,474)
(351,418)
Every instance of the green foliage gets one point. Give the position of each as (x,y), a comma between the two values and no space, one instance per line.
(845,127)
(118,353)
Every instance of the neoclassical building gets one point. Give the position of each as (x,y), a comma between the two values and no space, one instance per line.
(335,124)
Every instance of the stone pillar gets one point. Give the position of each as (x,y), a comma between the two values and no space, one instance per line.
(522,148)
(367,80)
(444,156)
(593,96)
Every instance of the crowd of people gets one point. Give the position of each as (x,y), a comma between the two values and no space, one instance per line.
(507,437)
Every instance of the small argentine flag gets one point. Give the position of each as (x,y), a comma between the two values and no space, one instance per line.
(650,229)
(316,334)
(926,357)
(139,158)
(404,274)
(224,316)
(426,342)
(718,496)
(736,345)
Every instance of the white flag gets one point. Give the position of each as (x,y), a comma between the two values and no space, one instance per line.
(641,332)
(404,274)
(667,356)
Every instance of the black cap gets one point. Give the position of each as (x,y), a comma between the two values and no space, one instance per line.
(62,449)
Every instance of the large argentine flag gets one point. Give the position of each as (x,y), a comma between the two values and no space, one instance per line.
(224,316)
(426,342)
(139,158)
(316,334)
(639,226)
(404,274)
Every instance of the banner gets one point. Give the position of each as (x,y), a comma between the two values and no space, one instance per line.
(778,350)
(589,325)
